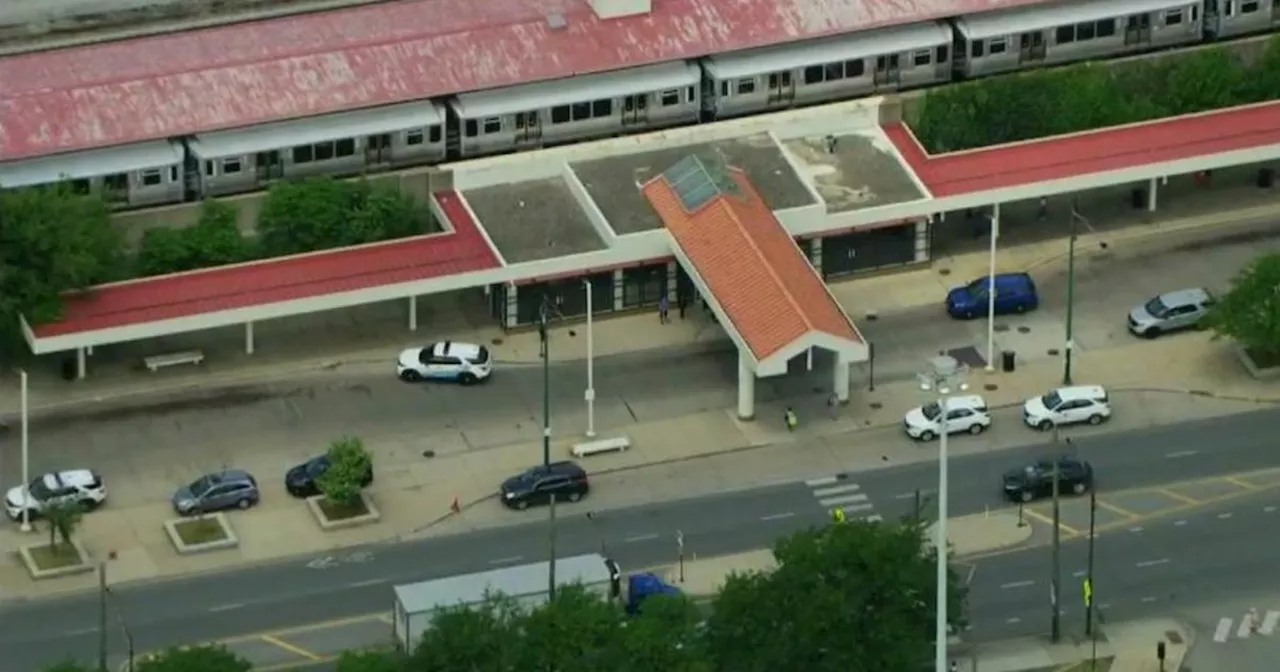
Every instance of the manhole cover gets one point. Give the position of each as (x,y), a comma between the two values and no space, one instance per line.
(872,317)
(428,453)
(572,333)
(1173,636)
(991,387)
(875,405)
(1000,328)
(1024,330)
(1053,352)
(496,341)
(944,271)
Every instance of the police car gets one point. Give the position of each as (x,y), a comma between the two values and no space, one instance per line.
(463,363)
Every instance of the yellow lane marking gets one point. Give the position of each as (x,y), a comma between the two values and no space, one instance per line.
(307,627)
(1067,529)
(1234,480)
(1117,509)
(1178,496)
(291,648)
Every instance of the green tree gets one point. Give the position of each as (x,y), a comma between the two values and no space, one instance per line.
(62,519)
(51,240)
(214,240)
(854,596)
(372,660)
(665,637)
(1249,312)
(204,658)
(349,461)
(480,637)
(69,666)
(578,631)
(323,213)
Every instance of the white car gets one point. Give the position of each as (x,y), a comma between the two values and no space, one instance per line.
(463,363)
(1066,406)
(74,485)
(964,414)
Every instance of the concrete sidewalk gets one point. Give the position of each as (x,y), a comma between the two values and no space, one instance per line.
(1131,645)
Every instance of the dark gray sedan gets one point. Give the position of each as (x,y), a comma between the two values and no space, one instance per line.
(226,489)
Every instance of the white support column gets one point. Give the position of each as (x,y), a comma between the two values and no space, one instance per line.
(840,383)
(991,289)
(248,338)
(1151,196)
(80,364)
(89,351)
(413,313)
(746,390)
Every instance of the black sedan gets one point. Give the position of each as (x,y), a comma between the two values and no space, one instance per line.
(565,481)
(1075,477)
(300,481)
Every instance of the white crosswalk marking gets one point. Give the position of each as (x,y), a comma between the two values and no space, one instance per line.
(1243,631)
(1269,623)
(1244,628)
(1224,630)
(836,492)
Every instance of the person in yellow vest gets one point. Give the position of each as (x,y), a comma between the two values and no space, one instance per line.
(837,514)
(790,417)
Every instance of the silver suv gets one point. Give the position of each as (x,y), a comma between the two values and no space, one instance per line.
(1172,311)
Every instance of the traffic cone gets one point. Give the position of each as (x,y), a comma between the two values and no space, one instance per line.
(455,507)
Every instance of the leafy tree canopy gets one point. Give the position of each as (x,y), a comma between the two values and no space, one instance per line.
(1250,311)
(373,660)
(51,240)
(207,658)
(215,240)
(871,579)
(349,461)
(1037,104)
(323,213)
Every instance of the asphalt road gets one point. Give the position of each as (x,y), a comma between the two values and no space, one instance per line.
(355,581)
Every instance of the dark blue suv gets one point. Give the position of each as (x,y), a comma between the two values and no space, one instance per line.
(1015,293)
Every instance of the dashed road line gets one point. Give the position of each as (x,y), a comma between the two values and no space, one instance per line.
(640,537)
(1017,584)
(777,516)
(1151,563)
(507,561)
(226,607)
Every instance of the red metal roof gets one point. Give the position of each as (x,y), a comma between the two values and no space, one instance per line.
(1090,152)
(250,73)
(765,286)
(241,286)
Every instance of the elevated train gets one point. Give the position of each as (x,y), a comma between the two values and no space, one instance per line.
(648,98)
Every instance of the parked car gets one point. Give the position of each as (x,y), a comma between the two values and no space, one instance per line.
(1036,480)
(1183,309)
(464,363)
(1066,406)
(964,414)
(301,481)
(226,489)
(1015,293)
(81,486)
(566,480)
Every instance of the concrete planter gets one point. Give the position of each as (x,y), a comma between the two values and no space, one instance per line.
(370,516)
(38,572)
(1256,372)
(174,528)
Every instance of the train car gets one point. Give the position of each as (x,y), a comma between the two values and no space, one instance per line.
(147,173)
(835,68)
(578,108)
(1017,39)
(1230,18)
(243,159)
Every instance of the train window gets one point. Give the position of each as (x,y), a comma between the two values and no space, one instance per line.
(414,137)
(208,168)
(81,186)
(1065,35)
(670,97)
(1106,27)
(120,181)
(1249,7)
(813,74)
(855,68)
(303,154)
(173,173)
(747,85)
(975,49)
(433,134)
(471,128)
(1173,17)
(602,108)
(560,114)
(922,57)
(231,166)
(997,45)
(724,90)
(493,125)
(691,94)
(581,111)
(942,56)
(150,178)
(324,151)
(833,72)
(347,147)
(1086,31)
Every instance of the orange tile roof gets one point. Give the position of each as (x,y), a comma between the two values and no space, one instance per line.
(767,288)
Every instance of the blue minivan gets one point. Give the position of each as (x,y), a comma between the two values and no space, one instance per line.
(1015,293)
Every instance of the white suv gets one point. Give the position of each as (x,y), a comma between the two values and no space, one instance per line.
(463,363)
(964,414)
(1068,405)
(75,485)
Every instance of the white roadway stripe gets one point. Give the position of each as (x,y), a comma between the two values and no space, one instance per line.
(819,482)
(838,490)
(1224,630)
(1269,623)
(640,537)
(851,499)
(1243,631)
(1183,453)
(507,561)
(1152,563)
(1018,584)
(874,518)
(778,516)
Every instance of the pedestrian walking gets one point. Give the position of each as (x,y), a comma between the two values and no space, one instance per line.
(955,667)
(1043,213)
(790,417)
(664,310)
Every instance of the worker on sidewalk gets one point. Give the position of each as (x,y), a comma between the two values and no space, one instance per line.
(837,515)
(789,416)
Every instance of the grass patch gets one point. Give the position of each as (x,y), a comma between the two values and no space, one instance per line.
(200,531)
(59,556)
(342,511)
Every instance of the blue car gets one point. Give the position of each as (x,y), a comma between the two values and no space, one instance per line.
(1015,293)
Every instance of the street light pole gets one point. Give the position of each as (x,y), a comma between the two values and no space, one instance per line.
(1089,625)
(26,447)
(546,442)
(1076,218)
(591,366)
(991,289)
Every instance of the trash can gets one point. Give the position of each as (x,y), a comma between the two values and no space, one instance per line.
(1266,177)
(70,369)
(1138,199)
(1008,361)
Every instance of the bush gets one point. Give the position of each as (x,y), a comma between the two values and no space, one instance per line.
(349,461)
(1249,312)
(1024,106)
(323,213)
(215,240)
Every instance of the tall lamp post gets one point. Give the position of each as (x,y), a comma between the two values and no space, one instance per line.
(1076,219)
(543,336)
(994,219)
(590,394)
(25,441)
(942,375)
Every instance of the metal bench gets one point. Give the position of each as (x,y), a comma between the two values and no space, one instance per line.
(600,446)
(157,362)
